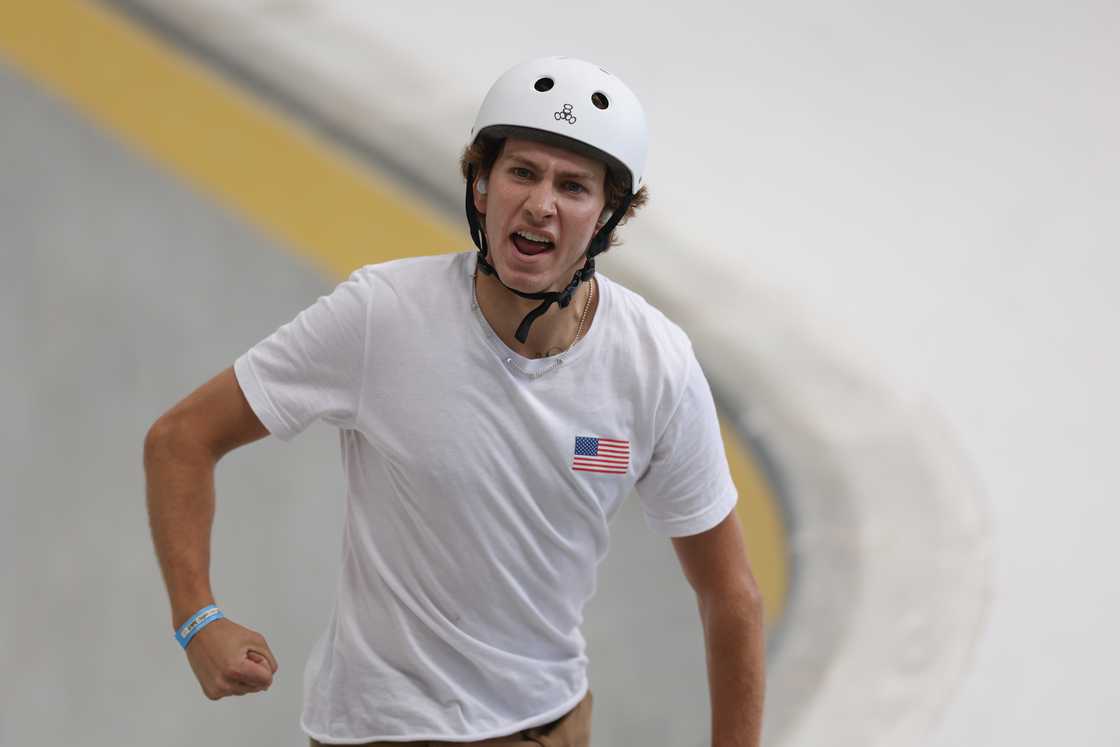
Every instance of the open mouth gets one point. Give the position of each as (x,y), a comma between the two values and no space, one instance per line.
(528,246)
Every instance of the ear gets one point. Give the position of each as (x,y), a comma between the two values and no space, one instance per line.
(479,193)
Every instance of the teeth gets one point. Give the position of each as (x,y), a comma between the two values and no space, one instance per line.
(533,237)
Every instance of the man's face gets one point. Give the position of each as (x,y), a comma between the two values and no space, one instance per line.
(539,191)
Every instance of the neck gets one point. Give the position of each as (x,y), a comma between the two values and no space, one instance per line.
(551,333)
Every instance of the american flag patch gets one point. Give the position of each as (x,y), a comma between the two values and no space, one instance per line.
(609,456)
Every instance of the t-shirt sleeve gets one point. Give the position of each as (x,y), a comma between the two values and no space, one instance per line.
(311,367)
(687,488)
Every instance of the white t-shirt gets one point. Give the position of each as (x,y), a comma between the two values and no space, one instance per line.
(480,485)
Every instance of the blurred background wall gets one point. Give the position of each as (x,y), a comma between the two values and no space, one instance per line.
(890,230)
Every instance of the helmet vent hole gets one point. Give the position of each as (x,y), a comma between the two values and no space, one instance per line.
(543,84)
(599,100)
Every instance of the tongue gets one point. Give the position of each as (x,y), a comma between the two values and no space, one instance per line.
(530,247)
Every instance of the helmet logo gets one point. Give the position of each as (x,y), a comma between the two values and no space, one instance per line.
(565,113)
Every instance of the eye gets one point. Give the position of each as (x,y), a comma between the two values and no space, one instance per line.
(521,172)
(576,187)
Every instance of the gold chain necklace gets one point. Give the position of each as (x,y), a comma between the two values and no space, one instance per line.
(583,316)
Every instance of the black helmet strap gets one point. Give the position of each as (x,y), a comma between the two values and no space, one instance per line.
(598,245)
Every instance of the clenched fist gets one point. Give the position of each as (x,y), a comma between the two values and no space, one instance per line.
(229,659)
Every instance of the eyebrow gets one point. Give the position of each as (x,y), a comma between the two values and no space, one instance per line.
(570,174)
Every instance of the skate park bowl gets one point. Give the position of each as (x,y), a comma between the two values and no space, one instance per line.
(183,178)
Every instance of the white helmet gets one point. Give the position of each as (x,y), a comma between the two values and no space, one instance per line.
(582,107)
(576,100)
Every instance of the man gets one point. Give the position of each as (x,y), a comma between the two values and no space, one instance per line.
(495,409)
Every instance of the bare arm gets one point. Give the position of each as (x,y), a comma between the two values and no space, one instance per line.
(180,453)
(715,563)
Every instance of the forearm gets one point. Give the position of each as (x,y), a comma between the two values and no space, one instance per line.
(734,639)
(180,498)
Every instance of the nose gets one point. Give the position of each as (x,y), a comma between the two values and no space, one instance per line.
(541,204)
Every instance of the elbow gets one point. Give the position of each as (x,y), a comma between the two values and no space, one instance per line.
(753,596)
(157,435)
(160,439)
(751,590)
(172,437)
(756,601)
(744,599)
(749,596)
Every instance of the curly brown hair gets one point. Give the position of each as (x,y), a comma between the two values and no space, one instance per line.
(484,151)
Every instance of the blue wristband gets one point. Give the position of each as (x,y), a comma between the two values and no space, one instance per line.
(195,623)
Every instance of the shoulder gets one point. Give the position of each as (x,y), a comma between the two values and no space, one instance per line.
(654,351)
(410,270)
(428,282)
(420,292)
(645,329)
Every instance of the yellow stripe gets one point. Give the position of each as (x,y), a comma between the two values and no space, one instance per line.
(302,192)
(292,186)
(761,521)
